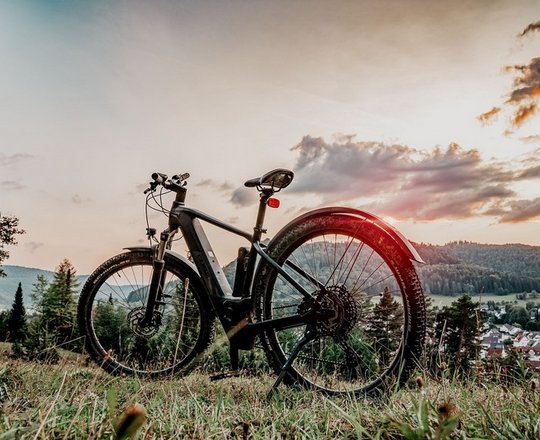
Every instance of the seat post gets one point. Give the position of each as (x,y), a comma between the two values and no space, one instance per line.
(258,229)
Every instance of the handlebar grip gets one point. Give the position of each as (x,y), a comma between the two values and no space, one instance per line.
(159,177)
(181,177)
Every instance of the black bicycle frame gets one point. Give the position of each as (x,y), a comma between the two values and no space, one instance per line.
(234,309)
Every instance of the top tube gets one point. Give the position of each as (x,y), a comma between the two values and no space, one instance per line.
(177,211)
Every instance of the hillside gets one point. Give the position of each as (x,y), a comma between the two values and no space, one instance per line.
(450,269)
(27,277)
(518,259)
(465,267)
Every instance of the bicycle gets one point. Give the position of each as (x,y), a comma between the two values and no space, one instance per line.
(310,295)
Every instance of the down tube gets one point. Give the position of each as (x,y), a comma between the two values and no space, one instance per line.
(285,275)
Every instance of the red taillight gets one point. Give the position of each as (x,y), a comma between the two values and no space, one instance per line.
(273,203)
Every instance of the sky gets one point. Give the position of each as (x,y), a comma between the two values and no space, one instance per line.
(424,113)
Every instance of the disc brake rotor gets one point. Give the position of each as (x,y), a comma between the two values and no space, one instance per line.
(135,317)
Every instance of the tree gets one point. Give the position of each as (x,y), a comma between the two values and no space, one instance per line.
(8,230)
(386,324)
(458,327)
(111,327)
(58,305)
(4,317)
(16,324)
(38,292)
(518,315)
(431,347)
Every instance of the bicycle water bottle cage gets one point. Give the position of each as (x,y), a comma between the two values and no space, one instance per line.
(274,180)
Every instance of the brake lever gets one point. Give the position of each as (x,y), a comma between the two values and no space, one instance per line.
(153,186)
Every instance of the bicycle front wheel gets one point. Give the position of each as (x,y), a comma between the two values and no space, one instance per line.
(375,311)
(113,303)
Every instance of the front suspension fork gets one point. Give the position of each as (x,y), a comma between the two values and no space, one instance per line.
(155,291)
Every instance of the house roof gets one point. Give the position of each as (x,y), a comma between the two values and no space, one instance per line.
(494,352)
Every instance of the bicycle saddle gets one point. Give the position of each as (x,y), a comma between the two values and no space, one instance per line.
(276,179)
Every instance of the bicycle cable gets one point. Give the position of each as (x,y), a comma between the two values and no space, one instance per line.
(155,203)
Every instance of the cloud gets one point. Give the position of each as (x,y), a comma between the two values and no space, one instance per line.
(532,139)
(520,210)
(33,246)
(140,188)
(523,113)
(220,186)
(78,200)
(530,28)
(530,173)
(487,116)
(206,182)
(370,166)
(406,183)
(6,160)
(241,197)
(225,186)
(525,96)
(11,185)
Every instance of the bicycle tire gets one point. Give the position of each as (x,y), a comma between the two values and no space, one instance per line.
(112,303)
(350,353)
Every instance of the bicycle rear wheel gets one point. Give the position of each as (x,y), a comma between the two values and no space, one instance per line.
(113,302)
(355,270)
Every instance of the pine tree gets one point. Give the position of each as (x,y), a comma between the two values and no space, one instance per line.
(386,325)
(38,292)
(458,326)
(58,305)
(4,317)
(17,318)
(111,327)
(431,349)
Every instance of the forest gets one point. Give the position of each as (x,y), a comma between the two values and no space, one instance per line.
(465,267)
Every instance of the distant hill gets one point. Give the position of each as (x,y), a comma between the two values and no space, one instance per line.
(27,277)
(450,269)
(465,267)
(460,267)
(519,259)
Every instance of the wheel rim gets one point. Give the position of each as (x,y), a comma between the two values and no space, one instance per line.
(116,312)
(363,340)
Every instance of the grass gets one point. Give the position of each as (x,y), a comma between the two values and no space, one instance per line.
(74,400)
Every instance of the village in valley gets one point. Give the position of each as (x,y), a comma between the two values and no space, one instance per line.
(499,337)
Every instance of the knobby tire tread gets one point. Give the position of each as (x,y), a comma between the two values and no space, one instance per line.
(413,300)
(87,297)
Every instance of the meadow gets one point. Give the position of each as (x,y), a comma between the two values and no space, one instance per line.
(443,300)
(75,399)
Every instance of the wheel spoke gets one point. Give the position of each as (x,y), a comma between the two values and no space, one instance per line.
(178,331)
(363,294)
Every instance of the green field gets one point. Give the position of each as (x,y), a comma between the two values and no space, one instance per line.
(73,400)
(440,300)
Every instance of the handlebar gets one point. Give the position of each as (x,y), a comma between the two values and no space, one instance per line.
(180,177)
(159,177)
(175,183)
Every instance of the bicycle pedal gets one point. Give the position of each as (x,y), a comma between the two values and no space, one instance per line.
(227,374)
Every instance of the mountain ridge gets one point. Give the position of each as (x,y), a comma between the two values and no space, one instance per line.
(27,276)
(451,269)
